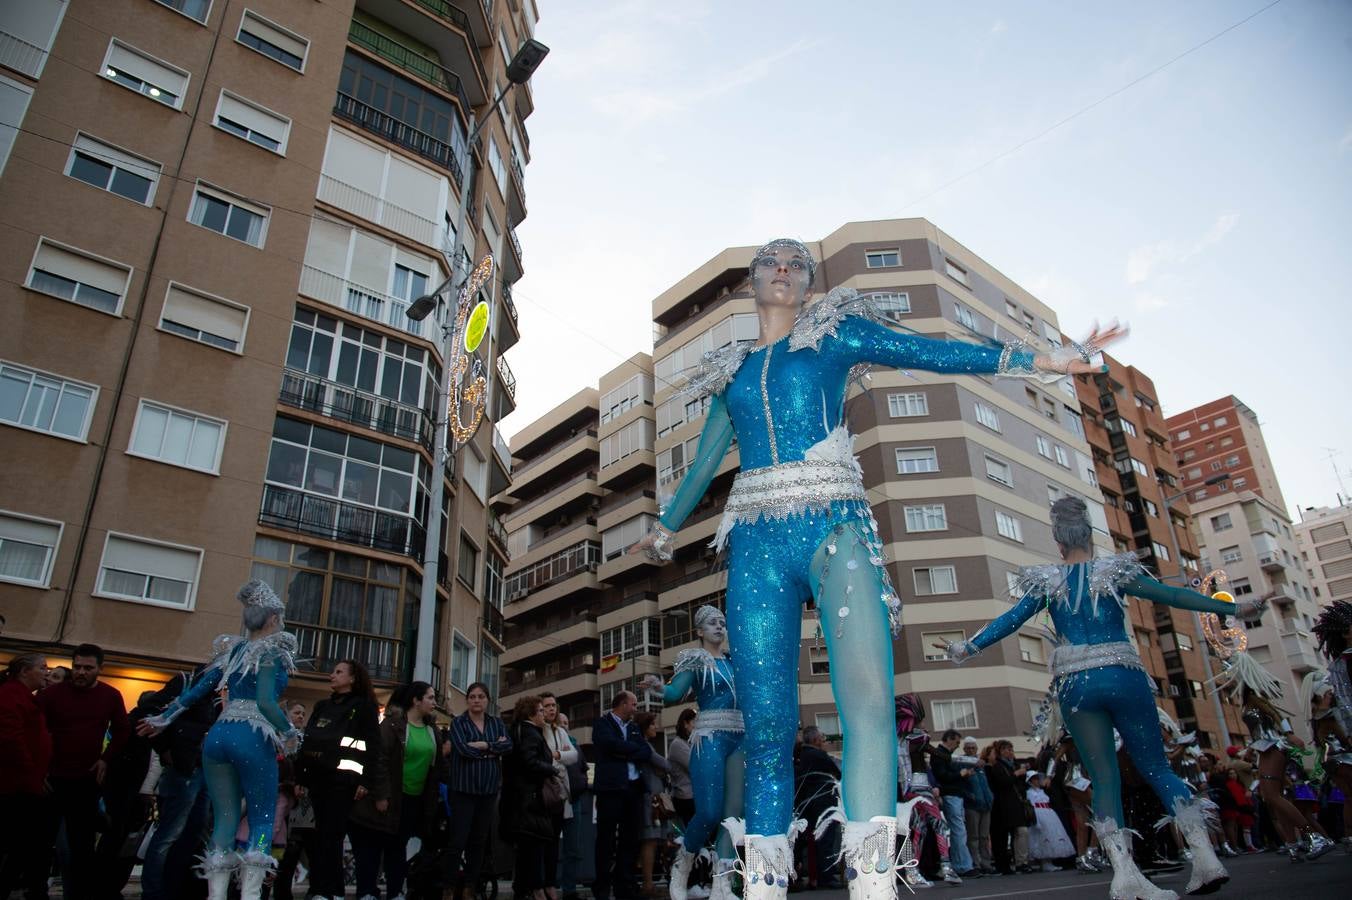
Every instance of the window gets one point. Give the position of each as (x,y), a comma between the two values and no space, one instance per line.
(637,391)
(143,73)
(1074,421)
(636,436)
(462,662)
(818,661)
(1029,322)
(640,637)
(965,317)
(1183,435)
(1012,583)
(272,41)
(828,724)
(1221,421)
(504,46)
(901,406)
(193,9)
(1062,458)
(467,562)
(14,99)
(617,539)
(147,571)
(935,580)
(252,122)
(115,171)
(1205,426)
(1221,522)
(74,275)
(1161,551)
(1044,447)
(958,714)
(929,638)
(1030,649)
(678,622)
(1184,642)
(926,518)
(203,318)
(892,302)
(497,166)
(1227,442)
(956,272)
(881,259)
(1139,466)
(229,215)
(999,471)
(1239,482)
(28,549)
(1053,494)
(490,673)
(43,402)
(1150,507)
(1232,461)
(1128,427)
(987,416)
(331,463)
(476,472)
(1011,310)
(177,437)
(1231,554)
(914,460)
(1008,526)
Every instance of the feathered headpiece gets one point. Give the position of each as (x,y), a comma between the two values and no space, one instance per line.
(704,614)
(1330,627)
(259,593)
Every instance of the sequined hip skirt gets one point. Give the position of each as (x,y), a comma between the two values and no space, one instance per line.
(789,489)
(1071,658)
(247,711)
(710,720)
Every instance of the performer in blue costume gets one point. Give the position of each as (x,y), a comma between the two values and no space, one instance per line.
(239,757)
(797,525)
(1100,684)
(717,763)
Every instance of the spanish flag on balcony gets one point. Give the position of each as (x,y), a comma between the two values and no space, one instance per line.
(608,663)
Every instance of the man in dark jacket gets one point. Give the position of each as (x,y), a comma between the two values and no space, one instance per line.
(817,775)
(620,749)
(955,790)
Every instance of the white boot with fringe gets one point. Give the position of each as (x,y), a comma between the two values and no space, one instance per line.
(216,868)
(679,880)
(768,867)
(866,852)
(1128,882)
(254,868)
(1208,874)
(723,872)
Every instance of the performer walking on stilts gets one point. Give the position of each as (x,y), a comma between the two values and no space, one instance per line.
(797,525)
(239,757)
(717,763)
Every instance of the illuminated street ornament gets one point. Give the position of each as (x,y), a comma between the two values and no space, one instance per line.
(477,328)
(1225,641)
(465,405)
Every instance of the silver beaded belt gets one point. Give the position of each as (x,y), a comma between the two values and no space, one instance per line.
(711,720)
(788,489)
(1071,658)
(245,711)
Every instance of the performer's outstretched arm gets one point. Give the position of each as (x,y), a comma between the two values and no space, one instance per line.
(713,444)
(1148,588)
(996,631)
(678,688)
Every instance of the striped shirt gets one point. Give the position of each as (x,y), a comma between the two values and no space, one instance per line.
(475,771)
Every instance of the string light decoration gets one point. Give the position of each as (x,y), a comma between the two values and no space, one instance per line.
(468,381)
(1225,641)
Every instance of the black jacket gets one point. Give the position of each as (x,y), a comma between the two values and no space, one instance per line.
(393,740)
(342,744)
(180,745)
(948,773)
(1008,790)
(816,773)
(522,808)
(615,750)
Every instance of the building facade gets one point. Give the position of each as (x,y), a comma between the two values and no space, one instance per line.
(218,217)
(1323,536)
(1223,437)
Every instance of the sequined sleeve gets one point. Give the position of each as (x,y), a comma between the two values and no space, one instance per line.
(678,688)
(1009,623)
(869,342)
(713,444)
(1148,588)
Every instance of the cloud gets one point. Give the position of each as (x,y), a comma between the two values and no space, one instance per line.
(999,27)
(1145,261)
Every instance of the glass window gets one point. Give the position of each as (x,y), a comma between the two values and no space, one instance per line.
(272,41)
(28,549)
(177,437)
(1031,649)
(203,318)
(1044,447)
(957,714)
(139,71)
(193,9)
(914,460)
(999,471)
(252,122)
(148,571)
(467,562)
(879,259)
(987,416)
(41,402)
(965,317)
(935,580)
(906,405)
(929,638)
(462,662)
(956,272)
(79,277)
(110,169)
(229,216)
(932,517)
(1008,526)
(892,302)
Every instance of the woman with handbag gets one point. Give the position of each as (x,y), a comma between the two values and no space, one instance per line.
(657,806)
(1009,822)
(564,754)
(532,801)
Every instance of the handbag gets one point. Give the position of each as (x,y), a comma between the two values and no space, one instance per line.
(554,793)
(1029,814)
(664,808)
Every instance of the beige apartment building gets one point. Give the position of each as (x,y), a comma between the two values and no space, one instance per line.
(961,468)
(216,215)
(1326,551)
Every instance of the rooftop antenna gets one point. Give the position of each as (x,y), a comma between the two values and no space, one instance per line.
(1342,489)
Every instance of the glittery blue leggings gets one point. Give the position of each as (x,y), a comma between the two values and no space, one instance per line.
(238,761)
(1098,700)
(716,775)
(773,568)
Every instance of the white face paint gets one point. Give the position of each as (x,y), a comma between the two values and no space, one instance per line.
(780,276)
(714,631)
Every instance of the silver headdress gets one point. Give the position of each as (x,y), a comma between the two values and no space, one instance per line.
(259,593)
(791,244)
(704,614)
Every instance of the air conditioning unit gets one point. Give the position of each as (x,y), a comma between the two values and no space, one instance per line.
(694,311)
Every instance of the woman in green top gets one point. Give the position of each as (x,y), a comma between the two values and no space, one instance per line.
(405,805)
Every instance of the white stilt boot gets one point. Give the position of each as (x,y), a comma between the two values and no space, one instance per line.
(768,868)
(254,868)
(680,871)
(723,872)
(217,867)
(1128,882)
(866,852)
(1208,875)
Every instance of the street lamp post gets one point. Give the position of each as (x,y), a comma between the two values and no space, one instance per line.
(519,71)
(1196,618)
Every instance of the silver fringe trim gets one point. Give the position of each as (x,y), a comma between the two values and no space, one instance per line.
(1108,575)
(711,720)
(1068,659)
(705,666)
(788,489)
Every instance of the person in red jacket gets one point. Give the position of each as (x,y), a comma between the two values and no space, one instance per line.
(25,754)
(80,711)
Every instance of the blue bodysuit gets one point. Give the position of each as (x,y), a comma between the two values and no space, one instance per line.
(797,525)
(1098,677)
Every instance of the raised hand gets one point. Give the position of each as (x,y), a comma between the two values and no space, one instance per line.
(1074,359)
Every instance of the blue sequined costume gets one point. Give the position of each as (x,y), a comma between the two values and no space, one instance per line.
(1098,677)
(797,524)
(239,756)
(716,763)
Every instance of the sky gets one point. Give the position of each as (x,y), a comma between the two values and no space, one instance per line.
(1092,152)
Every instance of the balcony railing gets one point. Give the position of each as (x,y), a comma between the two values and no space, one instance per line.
(365,301)
(507,301)
(410,61)
(458,18)
(549,451)
(516,244)
(496,530)
(335,520)
(405,135)
(323,648)
(347,404)
(554,492)
(494,622)
(581,557)
(20,55)
(508,379)
(380,211)
(500,446)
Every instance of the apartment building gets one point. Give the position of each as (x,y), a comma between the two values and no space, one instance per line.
(1148,514)
(1252,541)
(1326,551)
(218,215)
(1223,437)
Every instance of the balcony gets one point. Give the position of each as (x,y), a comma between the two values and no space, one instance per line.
(508,385)
(583,556)
(1280,598)
(494,623)
(425,68)
(507,302)
(446,28)
(547,454)
(323,648)
(347,404)
(351,109)
(1300,652)
(293,510)
(581,488)
(1271,562)
(516,197)
(380,211)
(366,302)
(496,530)
(512,269)
(500,448)
(21,56)
(527,643)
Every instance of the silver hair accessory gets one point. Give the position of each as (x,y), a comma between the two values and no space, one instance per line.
(705,613)
(259,593)
(790,244)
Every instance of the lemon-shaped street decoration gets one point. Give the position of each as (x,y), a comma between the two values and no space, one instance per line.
(1223,596)
(476,327)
